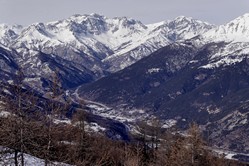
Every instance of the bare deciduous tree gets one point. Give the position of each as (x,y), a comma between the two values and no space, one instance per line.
(18,104)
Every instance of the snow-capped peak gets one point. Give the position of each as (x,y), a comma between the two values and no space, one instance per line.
(183,18)
(189,20)
(79,18)
(8,33)
(182,28)
(239,25)
(236,36)
(234,31)
(35,31)
(244,18)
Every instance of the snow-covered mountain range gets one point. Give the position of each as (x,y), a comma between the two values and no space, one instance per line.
(95,45)
(117,42)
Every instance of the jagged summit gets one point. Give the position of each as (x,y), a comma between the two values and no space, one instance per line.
(239,25)
(86,15)
(244,17)
(183,18)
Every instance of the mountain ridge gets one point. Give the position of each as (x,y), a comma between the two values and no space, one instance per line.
(105,45)
(101,45)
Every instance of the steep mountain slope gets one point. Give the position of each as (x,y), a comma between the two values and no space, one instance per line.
(173,84)
(39,68)
(235,34)
(8,65)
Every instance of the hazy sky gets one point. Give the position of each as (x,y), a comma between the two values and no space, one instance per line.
(148,11)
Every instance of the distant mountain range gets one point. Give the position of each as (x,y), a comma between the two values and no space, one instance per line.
(183,70)
(91,43)
(96,45)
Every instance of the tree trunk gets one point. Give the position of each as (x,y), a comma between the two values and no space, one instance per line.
(16,157)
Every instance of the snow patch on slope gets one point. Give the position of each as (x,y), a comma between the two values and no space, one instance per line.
(231,53)
(29,160)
